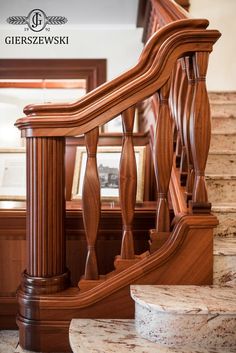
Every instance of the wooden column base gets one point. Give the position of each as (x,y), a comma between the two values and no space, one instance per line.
(199,207)
(43,285)
(51,336)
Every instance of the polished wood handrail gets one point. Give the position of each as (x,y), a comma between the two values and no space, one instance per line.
(102,110)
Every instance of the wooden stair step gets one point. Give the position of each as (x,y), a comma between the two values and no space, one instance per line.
(197,316)
(111,336)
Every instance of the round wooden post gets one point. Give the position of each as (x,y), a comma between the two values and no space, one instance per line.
(46,268)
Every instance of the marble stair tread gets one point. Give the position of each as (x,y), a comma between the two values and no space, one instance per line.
(226,247)
(221,162)
(226,214)
(223,141)
(229,207)
(221,188)
(183,299)
(112,336)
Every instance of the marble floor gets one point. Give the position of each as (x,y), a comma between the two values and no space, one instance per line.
(8,341)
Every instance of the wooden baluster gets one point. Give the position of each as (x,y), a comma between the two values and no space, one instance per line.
(180,115)
(46,266)
(163,160)
(128,184)
(176,88)
(91,204)
(186,126)
(200,134)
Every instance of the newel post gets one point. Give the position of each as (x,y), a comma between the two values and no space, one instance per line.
(200,133)
(46,268)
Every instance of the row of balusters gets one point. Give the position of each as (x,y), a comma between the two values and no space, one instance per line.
(183,114)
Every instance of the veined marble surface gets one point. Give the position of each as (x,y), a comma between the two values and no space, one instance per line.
(221,188)
(186,315)
(223,162)
(118,336)
(224,141)
(8,341)
(224,268)
(180,299)
(223,124)
(226,213)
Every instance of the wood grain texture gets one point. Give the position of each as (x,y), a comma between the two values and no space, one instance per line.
(200,131)
(127,184)
(186,126)
(102,110)
(112,299)
(45,214)
(180,116)
(163,159)
(91,204)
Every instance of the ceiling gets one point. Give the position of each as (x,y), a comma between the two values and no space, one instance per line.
(78,12)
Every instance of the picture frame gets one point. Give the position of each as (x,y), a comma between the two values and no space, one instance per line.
(115,125)
(108,159)
(12,174)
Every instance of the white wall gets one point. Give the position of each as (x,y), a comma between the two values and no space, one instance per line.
(222,16)
(121,46)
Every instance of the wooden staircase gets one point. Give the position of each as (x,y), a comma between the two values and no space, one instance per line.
(171,70)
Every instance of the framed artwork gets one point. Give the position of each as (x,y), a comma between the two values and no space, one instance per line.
(115,125)
(12,174)
(108,160)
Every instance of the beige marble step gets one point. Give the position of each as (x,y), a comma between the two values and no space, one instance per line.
(221,162)
(224,269)
(226,214)
(223,124)
(223,104)
(221,141)
(119,336)
(197,316)
(221,188)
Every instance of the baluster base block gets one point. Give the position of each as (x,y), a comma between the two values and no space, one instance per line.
(121,264)
(199,207)
(45,285)
(157,239)
(86,284)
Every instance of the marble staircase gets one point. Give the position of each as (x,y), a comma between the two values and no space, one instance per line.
(221,180)
(185,319)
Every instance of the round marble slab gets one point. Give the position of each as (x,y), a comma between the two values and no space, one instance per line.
(186,315)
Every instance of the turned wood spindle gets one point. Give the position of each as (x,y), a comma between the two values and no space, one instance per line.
(174,104)
(186,126)
(163,159)
(91,204)
(200,133)
(180,114)
(128,184)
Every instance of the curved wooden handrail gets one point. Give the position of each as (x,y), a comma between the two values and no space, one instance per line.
(169,11)
(104,109)
(147,54)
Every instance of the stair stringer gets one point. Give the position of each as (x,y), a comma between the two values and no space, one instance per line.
(185,258)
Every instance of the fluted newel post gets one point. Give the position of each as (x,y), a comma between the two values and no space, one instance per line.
(200,133)
(163,159)
(180,115)
(186,126)
(128,184)
(91,204)
(46,268)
